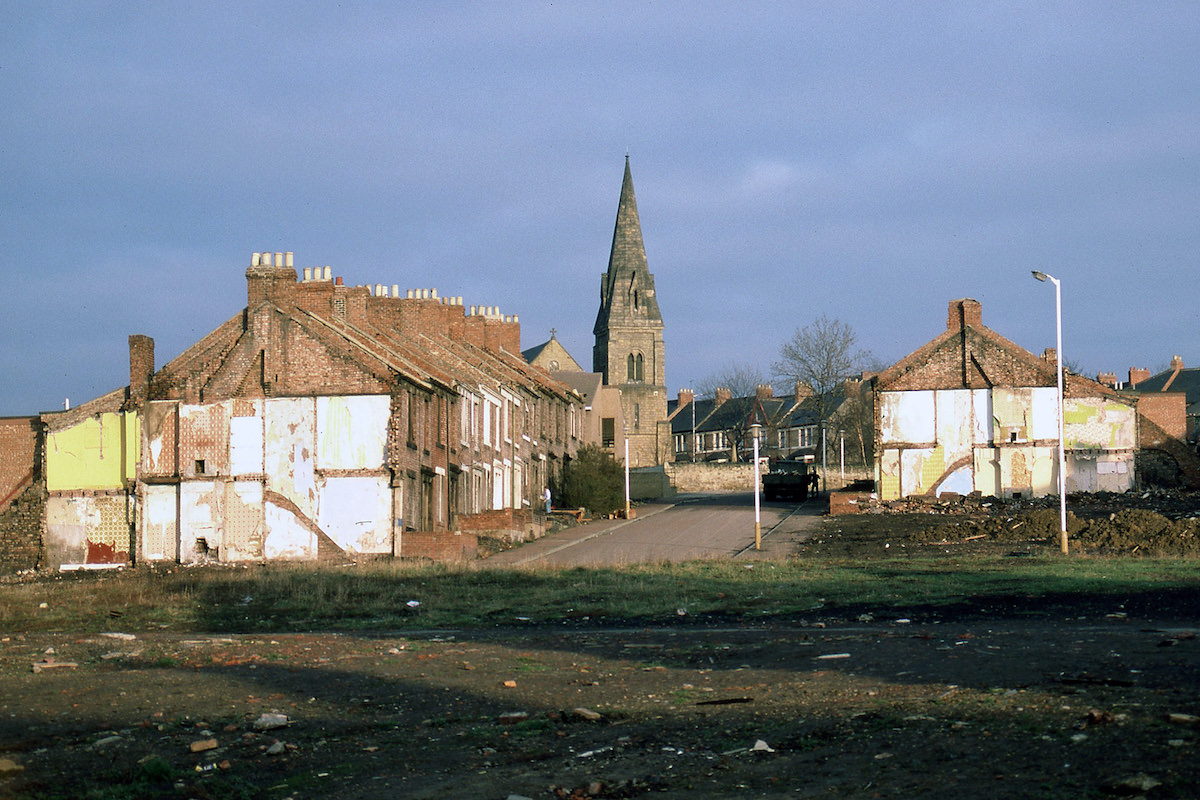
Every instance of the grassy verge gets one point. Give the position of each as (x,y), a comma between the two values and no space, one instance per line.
(389,596)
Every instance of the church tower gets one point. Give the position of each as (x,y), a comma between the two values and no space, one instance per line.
(629,348)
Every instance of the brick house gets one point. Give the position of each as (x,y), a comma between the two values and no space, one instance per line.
(320,421)
(717,428)
(1168,422)
(604,416)
(971,411)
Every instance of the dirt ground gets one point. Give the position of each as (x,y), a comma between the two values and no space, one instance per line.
(1076,697)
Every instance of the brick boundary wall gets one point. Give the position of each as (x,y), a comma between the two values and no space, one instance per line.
(439,545)
(506,524)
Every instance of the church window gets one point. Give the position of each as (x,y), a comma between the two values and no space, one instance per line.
(637,416)
(634,368)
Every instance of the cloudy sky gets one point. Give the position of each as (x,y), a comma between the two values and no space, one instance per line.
(867,162)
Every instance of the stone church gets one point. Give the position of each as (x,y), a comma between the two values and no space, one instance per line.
(627,388)
(629,350)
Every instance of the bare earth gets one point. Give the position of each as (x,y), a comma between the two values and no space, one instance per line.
(1076,697)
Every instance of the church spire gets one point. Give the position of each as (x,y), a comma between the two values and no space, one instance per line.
(627,285)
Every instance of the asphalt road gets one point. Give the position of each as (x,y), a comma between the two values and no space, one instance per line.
(691,527)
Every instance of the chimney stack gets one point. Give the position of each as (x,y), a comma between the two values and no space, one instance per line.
(964,312)
(141,367)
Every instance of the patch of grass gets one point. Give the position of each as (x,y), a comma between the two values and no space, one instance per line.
(381,595)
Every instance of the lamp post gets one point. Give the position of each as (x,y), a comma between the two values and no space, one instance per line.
(755,427)
(626,477)
(1062,452)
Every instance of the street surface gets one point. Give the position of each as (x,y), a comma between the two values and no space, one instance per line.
(691,527)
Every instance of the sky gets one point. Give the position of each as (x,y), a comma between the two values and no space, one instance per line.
(865,162)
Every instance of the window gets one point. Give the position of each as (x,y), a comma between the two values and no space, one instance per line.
(412,420)
(637,416)
(634,368)
(608,432)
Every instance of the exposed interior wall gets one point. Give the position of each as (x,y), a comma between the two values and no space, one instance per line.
(277,478)
(1001,442)
(90,465)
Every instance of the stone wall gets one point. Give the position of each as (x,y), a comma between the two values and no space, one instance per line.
(688,478)
(21,531)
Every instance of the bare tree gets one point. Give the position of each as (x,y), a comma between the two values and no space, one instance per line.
(741,381)
(822,354)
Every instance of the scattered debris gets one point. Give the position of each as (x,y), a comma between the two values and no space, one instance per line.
(725,701)
(271,721)
(50,663)
(1138,784)
(586,713)
(201,745)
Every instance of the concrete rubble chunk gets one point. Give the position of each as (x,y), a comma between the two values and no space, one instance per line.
(271,721)
(586,713)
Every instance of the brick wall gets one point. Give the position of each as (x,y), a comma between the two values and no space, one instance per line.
(439,545)
(507,524)
(19,457)
(1168,412)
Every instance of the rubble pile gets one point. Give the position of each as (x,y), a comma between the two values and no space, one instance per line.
(1156,522)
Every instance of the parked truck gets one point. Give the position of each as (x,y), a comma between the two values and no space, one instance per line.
(789,479)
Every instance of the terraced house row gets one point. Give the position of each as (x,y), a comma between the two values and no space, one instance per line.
(320,420)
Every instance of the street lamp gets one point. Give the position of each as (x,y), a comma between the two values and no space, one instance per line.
(755,427)
(1062,453)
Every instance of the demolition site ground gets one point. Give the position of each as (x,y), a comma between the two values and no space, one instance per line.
(1022,694)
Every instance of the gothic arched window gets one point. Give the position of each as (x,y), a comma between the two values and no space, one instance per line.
(634,368)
